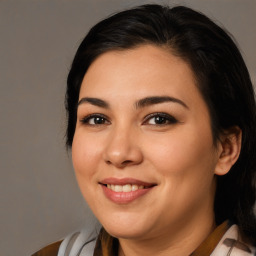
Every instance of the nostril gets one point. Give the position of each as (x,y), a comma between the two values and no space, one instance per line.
(120,165)
(126,162)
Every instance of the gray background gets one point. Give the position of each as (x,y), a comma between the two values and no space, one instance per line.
(40,202)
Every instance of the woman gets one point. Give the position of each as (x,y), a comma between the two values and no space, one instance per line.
(161,124)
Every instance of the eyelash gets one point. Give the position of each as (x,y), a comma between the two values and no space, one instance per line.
(86,120)
(166,119)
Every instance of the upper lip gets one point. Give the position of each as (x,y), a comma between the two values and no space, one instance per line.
(124,181)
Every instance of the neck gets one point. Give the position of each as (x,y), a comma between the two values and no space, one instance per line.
(182,240)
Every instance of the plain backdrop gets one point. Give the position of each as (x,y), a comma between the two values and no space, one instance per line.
(39,199)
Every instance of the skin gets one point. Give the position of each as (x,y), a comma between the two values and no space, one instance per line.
(179,157)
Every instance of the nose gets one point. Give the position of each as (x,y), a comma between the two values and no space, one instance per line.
(123,149)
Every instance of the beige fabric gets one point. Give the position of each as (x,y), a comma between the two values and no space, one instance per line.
(231,245)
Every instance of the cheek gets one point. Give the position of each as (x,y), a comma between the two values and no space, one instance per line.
(85,156)
(183,152)
(185,164)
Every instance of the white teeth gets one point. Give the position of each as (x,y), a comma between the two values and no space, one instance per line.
(124,188)
(127,188)
(135,187)
(118,188)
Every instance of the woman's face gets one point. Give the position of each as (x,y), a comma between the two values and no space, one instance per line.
(143,150)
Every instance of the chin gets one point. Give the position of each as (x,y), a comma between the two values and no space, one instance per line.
(126,227)
(125,233)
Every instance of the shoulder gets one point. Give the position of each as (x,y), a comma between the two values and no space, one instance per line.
(80,243)
(231,244)
(73,245)
(50,250)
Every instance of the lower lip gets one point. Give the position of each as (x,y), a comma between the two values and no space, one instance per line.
(124,197)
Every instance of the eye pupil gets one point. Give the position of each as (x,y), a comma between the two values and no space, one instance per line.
(99,120)
(160,120)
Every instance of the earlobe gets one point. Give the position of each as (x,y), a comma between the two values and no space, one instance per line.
(229,150)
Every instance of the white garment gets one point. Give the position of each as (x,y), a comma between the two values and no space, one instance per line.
(231,245)
(82,243)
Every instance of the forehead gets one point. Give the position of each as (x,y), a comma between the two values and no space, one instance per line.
(146,69)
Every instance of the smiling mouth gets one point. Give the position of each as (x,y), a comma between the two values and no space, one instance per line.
(126,187)
(125,190)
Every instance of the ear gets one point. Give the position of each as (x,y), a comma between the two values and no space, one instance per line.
(229,147)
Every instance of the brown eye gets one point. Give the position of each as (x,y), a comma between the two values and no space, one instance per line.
(96,119)
(160,119)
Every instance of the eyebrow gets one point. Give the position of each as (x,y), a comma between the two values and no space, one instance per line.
(94,101)
(158,99)
(139,104)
